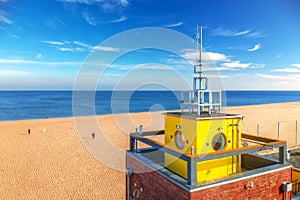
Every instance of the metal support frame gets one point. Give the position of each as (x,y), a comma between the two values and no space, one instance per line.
(199,102)
(296,142)
(191,167)
(192,160)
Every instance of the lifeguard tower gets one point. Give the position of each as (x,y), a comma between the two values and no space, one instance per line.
(200,128)
(202,156)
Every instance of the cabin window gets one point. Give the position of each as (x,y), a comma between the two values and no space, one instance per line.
(179,140)
(219,142)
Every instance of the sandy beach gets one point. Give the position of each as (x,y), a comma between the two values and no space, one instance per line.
(52,162)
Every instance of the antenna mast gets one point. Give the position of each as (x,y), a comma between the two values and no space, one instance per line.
(200,45)
(201,97)
(200,82)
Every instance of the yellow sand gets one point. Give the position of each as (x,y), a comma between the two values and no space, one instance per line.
(53,163)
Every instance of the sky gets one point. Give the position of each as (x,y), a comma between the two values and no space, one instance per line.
(250,44)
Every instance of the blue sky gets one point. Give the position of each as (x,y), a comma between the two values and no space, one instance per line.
(253,44)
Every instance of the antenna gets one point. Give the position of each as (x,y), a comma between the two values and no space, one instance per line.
(200,46)
(200,83)
(201,97)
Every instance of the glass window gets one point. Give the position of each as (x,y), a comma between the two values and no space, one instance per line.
(219,142)
(179,140)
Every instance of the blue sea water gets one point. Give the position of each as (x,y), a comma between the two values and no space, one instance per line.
(17,105)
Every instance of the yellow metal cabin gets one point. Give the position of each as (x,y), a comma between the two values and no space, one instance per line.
(198,135)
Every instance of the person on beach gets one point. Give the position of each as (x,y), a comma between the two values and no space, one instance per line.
(29,131)
(93,135)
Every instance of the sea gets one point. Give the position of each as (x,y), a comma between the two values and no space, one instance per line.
(22,105)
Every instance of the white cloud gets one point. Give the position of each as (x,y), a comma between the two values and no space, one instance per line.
(206,56)
(221,59)
(12,72)
(89,2)
(82,44)
(39,56)
(220,31)
(214,56)
(106,5)
(89,19)
(277,77)
(53,42)
(67,49)
(296,65)
(15,36)
(121,19)
(268,76)
(294,69)
(235,65)
(174,25)
(257,34)
(79,46)
(106,8)
(153,67)
(73,46)
(33,62)
(255,48)
(256,66)
(4,19)
(289,70)
(103,48)
(124,3)
(228,33)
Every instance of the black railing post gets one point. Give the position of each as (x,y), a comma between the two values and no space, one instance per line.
(282,154)
(132,143)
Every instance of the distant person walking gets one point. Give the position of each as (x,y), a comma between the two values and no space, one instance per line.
(28,131)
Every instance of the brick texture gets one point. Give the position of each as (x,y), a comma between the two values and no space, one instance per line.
(155,186)
(266,186)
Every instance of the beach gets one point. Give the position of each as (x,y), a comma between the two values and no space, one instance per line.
(55,161)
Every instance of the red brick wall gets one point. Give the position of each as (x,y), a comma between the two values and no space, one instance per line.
(155,186)
(267,186)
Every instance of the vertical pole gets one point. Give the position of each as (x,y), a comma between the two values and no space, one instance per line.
(282,154)
(191,173)
(192,150)
(128,174)
(257,129)
(220,101)
(200,50)
(132,144)
(296,133)
(278,130)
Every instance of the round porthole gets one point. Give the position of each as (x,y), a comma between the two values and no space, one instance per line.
(179,140)
(218,142)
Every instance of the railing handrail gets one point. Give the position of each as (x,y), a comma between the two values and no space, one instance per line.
(192,160)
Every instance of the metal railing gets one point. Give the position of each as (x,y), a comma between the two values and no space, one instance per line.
(192,160)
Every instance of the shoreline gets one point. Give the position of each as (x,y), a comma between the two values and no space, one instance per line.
(108,114)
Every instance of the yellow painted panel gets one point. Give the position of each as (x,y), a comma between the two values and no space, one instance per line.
(176,165)
(200,134)
(209,170)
